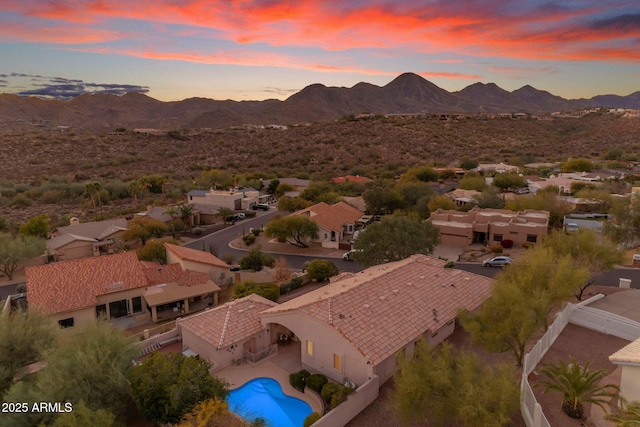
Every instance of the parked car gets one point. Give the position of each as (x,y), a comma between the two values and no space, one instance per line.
(260,207)
(348,256)
(571,227)
(241,215)
(235,217)
(498,261)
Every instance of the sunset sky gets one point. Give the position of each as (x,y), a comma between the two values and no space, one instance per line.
(259,49)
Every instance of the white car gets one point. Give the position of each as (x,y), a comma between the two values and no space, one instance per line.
(348,256)
(498,261)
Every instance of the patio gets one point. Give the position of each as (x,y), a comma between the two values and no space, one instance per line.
(277,367)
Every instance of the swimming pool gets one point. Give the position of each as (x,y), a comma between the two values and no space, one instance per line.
(263,398)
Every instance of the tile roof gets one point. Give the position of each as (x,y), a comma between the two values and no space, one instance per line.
(627,354)
(230,323)
(174,273)
(331,217)
(382,308)
(64,239)
(76,284)
(95,229)
(195,255)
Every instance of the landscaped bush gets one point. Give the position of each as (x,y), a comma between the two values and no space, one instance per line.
(506,243)
(328,390)
(295,283)
(270,291)
(496,249)
(316,381)
(256,231)
(312,418)
(249,239)
(298,379)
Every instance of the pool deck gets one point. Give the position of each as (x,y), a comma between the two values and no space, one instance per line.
(277,367)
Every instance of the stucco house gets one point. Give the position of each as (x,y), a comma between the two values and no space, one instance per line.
(463,197)
(628,358)
(490,226)
(351,329)
(74,293)
(87,239)
(200,261)
(230,332)
(236,199)
(336,222)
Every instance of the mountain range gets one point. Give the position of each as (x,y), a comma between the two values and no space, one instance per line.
(408,93)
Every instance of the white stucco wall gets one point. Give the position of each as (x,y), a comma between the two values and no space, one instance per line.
(327,342)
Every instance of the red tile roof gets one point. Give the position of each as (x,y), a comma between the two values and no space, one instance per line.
(350,178)
(76,284)
(230,323)
(331,217)
(195,255)
(174,273)
(382,308)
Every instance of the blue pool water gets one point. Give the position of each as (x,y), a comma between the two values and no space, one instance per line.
(263,398)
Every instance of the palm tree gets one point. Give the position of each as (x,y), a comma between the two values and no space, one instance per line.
(93,189)
(224,213)
(185,211)
(629,417)
(578,384)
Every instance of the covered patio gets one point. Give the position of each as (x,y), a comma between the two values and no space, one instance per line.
(170,300)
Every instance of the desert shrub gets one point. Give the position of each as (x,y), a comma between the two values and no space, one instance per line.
(295,283)
(506,243)
(312,418)
(298,379)
(450,264)
(316,381)
(249,239)
(51,197)
(256,231)
(228,258)
(21,201)
(328,391)
(496,249)
(527,245)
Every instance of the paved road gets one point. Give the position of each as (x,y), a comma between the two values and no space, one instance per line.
(222,238)
(608,278)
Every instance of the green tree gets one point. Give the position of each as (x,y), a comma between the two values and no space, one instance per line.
(93,189)
(508,181)
(321,269)
(578,165)
(587,251)
(381,200)
(468,164)
(16,249)
(37,226)
(24,339)
(578,385)
(546,201)
(185,211)
(168,385)
(273,186)
(82,416)
(296,227)
(411,192)
(477,183)
(135,188)
(445,386)
(624,228)
(420,173)
(292,204)
(154,251)
(489,198)
(144,228)
(211,413)
(255,260)
(395,238)
(441,202)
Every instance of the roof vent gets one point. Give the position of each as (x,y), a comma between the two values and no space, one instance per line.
(395,291)
(366,305)
(382,297)
(251,306)
(421,277)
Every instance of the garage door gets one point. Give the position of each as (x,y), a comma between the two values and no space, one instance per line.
(453,240)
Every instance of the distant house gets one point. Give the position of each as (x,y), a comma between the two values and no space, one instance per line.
(200,261)
(497,168)
(628,358)
(490,226)
(336,222)
(235,199)
(160,213)
(87,239)
(462,197)
(297,183)
(350,178)
(118,286)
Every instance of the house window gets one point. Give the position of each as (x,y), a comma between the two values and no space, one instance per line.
(337,362)
(310,348)
(66,323)
(101,310)
(137,304)
(326,236)
(532,238)
(497,237)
